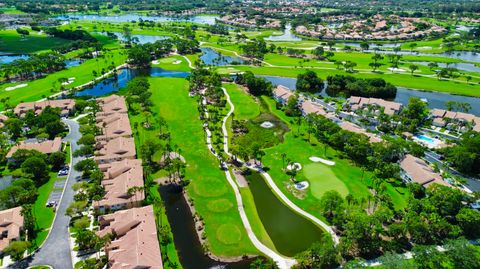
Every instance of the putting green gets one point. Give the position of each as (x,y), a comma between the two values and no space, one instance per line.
(229,234)
(209,187)
(220,205)
(322,179)
(168,60)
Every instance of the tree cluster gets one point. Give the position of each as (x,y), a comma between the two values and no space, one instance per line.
(348,86)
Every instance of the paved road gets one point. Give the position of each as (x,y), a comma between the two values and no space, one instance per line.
(56,249)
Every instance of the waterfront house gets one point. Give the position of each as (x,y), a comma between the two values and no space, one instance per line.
(135,242)
(281,94)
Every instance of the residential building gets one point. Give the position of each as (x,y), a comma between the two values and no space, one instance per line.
(354,103)
(119,180)
(67,107)
(11,225)
(135,243)
(113,126)
(110,105)
(281,94)
(457,121)
(308,107)
(3,119)
(47,147)
(115,150)
(348,126)
(414,169)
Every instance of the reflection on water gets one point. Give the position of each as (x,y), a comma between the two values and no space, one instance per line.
(286,36)
(140,39)
(213,57)
(202,19)
(290,232)
(9,58)
(122,78)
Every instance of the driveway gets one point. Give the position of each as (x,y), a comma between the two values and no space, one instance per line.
(55,251)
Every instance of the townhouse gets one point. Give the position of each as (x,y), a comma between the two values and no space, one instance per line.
(11,226)
(67,107)
(457,121)
(413,169)
(113,126)
(123,184)
(3,119)
(135,243)
(46,147)
(281,94)
(356,103)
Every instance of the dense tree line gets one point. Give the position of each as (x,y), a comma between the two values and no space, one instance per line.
(35,66)
(256,85)
(465,155)
(348,86)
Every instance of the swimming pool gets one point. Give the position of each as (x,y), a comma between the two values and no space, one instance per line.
(425,138)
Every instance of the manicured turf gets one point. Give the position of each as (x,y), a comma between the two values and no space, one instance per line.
(44,215)
(168,64)
(248,108)
(322,179)
(12,42)
(208,188)
(43,87)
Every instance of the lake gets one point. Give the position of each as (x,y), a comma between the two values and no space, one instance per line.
(460,66)
(201,19)
(140,39)
(115,83)
(286,36)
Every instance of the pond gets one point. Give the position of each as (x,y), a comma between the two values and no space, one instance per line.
(213,57)
(140,39)
(9,58)
(113,83)
(290,232)
(435,99)
(188,245)
(287,35)
(460,66)
(371,45)
(202,19)
(72,62)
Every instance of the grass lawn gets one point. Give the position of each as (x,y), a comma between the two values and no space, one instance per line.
(245,106)
(12,42)
(44,215)
(323,179)
(43,87)
(212,195)
(168,64)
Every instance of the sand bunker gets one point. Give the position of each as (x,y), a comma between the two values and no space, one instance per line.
(297,166)
(15,87)
(267,124)
(302,185)
(320,160)
(177,62)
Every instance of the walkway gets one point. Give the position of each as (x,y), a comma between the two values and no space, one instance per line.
(270,181)
(55,250)
(282,262)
